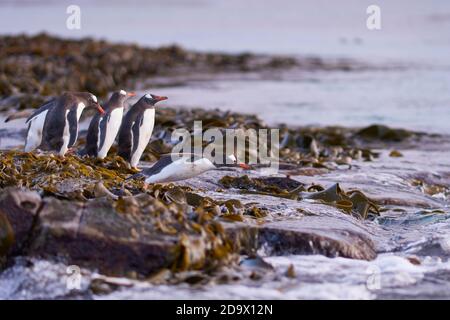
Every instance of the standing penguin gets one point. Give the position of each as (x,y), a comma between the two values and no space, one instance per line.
(103,128)
(54,126)
(137,127)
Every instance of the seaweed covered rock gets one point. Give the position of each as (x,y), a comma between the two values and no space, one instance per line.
(134,235)
(69,177)
(383,133)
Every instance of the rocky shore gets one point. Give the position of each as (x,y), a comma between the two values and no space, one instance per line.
(35,67)
(336,194)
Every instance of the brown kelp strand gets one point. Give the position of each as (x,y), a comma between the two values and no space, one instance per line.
(352,202)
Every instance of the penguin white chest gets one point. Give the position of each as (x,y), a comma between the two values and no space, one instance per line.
(66,136)
(112,129)
(34,134)
(181,169)
(80,109)
(145,133)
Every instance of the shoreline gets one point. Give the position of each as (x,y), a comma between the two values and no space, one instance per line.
(352,195)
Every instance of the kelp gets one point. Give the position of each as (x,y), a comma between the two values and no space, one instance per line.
(178,211)
(383,133)
(201,240)
(281,187)
(353,202)
(431,189)
(70,177)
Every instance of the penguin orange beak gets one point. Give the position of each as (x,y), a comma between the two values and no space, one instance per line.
(100,109)
(159,98)
(244,166)
(131,94)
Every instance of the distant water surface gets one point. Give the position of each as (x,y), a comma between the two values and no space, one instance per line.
(414,33)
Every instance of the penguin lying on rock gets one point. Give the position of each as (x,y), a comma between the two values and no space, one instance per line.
(170,168)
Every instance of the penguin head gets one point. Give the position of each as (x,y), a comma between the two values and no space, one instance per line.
(92,102)
(118,98)
(151,99)
(89,99)
(232,161)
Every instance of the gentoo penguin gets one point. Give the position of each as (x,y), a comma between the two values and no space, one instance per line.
(137,128)
(171,168)
(54,126)
(104,128)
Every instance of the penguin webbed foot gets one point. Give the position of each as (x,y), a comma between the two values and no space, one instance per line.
(71,151)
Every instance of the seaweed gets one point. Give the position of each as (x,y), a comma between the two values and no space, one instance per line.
(353,202)
(69,177)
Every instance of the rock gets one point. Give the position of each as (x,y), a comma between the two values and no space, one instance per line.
(147,236)
(384,133)
(94,235)
(6,236)
(290,272)
(328,236)
(141,238)
(20,209)
(395,154)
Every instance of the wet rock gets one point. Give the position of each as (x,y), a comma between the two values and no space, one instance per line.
(317,235)
(384,133)
(19,210)
(6,236)
(256,262)
(290,272)
(145,235)
(395,154)
(96,235)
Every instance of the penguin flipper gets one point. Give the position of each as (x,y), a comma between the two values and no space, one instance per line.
(47,105)
(125,140)
(102,130)
(73,127)
(91,148)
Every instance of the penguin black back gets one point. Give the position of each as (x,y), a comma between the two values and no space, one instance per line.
(104,128)
(134,134)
